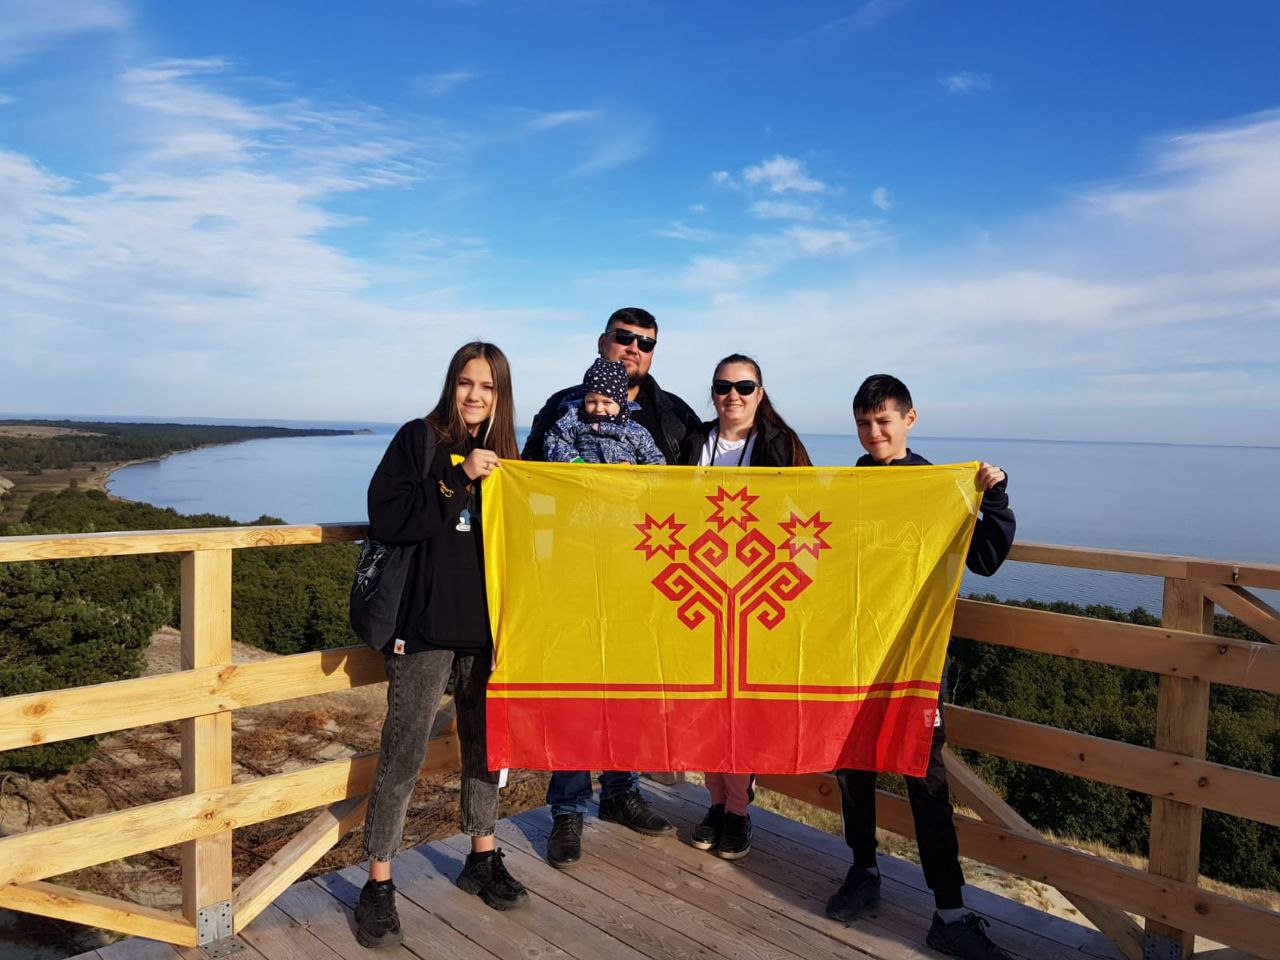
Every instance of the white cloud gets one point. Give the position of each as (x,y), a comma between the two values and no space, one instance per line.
(782,210)
(780,174)
(867,16)
(698,208)
(721,178)
(5,99)
(679,230)
(28,27)
(440,84)
(880,198)
(1159,293)
(965,82)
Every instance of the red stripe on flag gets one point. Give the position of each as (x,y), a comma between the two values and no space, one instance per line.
(745,736)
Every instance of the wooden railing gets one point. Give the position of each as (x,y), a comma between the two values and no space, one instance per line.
(203,694)
(1174,772)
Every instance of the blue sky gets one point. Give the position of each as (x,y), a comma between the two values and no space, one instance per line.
(1052,220)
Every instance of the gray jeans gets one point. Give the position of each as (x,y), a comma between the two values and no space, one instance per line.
(417,682)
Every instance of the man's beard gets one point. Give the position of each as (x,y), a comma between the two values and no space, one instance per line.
(633,379)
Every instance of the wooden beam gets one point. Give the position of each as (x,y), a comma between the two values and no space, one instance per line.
(1264,575)
(976,794)
(206,740)
(69,545)
(35,718)
(1246,607)
(63,847)
(94,910)
(292,860)
(1173,776)
(1182,726)
(1166,650)
(1213,915)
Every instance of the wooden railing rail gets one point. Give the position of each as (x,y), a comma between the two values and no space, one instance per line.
(208,688)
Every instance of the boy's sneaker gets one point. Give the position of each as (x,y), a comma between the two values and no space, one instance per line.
(632,810)
(377,923)
(861,889)
(487,877)
(735,837)
(707,834)
(966,938)
(564,846)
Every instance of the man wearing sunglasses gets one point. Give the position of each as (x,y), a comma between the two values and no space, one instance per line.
(629,337)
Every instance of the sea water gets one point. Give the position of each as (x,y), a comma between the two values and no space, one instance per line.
(1203,501)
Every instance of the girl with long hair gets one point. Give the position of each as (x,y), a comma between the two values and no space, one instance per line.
(426,491)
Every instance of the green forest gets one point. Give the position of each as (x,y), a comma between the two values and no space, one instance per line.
(72,622)
(103,442)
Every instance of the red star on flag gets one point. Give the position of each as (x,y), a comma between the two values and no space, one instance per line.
(660,536)
(805,536)
(732,508)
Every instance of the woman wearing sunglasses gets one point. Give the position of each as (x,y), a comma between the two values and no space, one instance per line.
(747,432)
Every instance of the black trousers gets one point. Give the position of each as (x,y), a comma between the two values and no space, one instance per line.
(930,808)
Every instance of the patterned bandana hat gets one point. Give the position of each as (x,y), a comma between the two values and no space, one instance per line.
(608,378)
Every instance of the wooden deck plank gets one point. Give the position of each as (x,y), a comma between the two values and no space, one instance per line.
(138,948)
(618,919)
(657,900)
(1060,929)
(903,908)
(903,886)
(428,896)
(546,914)
(277,936)
(329,920)
(760,882)
(734,914)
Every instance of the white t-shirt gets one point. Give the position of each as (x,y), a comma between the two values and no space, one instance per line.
(718,452)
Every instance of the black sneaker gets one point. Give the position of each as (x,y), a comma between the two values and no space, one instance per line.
(632,810)
(735,837)
(487,878)
(707,834)
(861,889)
(564,846)
(377,923)
(966,938)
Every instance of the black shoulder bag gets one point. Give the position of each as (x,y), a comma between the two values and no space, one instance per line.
(381,573)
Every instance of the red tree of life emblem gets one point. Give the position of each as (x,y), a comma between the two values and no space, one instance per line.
(772,577)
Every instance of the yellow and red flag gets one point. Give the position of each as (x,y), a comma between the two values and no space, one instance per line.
(721,619)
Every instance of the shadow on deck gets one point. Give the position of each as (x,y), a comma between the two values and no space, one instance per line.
(633,897)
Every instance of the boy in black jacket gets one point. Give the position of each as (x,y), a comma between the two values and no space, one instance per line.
(884,414)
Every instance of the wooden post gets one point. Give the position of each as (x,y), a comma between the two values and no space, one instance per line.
(206,740)
(1182,726)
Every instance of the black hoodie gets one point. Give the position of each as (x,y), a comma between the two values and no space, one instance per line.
(771,448)
(992,537)
(412,501)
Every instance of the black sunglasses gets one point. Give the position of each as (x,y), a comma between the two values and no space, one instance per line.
(624,338)
(721,388)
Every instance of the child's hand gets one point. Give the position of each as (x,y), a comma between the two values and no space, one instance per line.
(479,463)
(989,476)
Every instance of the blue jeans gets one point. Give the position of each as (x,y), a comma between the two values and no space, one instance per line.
(570,790)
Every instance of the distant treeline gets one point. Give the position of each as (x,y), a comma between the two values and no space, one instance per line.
(116,442)
(73,622)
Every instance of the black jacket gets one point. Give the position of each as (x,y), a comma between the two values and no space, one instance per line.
(992,537)
(667,418)
(771,448)
(411,501)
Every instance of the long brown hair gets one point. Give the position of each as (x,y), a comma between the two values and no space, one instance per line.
(769,413)
(498,432)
